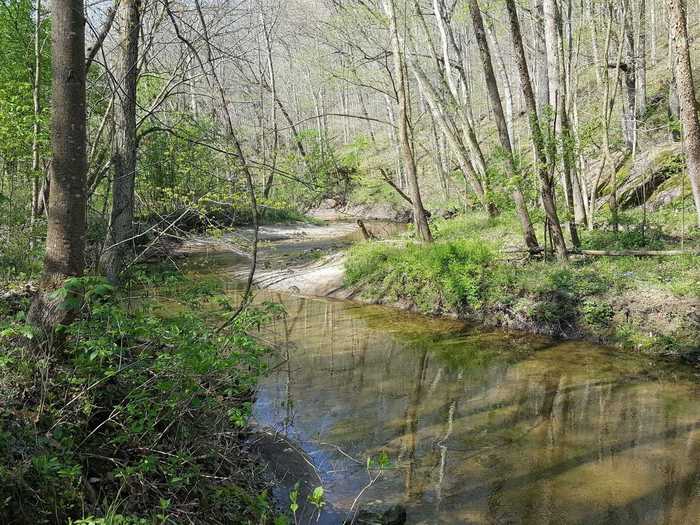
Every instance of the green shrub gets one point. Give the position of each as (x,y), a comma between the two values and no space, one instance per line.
(632,239)
(142,404)
(597,314)
(450,274)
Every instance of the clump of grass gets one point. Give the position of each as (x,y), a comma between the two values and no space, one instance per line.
(466,271)
(441,275)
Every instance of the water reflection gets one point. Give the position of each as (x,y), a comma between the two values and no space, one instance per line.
(483,427)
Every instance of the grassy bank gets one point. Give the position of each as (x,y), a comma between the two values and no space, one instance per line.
(643,303)
(138,416)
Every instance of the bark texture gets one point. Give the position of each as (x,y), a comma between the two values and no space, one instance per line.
(65,239)
(686,96)
(125,142)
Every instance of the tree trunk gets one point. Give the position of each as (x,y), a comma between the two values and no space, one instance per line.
(557,100)
(501,125)
(125,145)
(267,189)
(65,239)
(419,217)
(536,132)
(542,62)
(594,43)
(629,114)
(642,60)
(653,32)
(463,141)
(36,93)
(686,95)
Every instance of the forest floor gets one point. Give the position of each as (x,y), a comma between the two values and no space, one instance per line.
(137,413)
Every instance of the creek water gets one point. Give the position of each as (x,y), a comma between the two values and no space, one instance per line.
(480,426)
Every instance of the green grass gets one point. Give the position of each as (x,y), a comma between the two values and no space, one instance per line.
(466,271)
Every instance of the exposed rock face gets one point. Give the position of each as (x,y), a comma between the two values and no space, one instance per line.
(640,181)
(664,197)
(323,278)
(654,177)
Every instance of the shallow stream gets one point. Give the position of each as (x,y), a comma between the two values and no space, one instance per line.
(480,426)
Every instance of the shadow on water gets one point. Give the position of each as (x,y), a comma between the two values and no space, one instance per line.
(481,426)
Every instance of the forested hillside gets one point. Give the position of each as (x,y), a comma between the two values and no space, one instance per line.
(546,154)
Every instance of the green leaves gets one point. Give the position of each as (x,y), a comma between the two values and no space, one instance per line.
(317,498)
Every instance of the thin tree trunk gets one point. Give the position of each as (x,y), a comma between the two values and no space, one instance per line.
(608,109)
(629,68)
(125,142)
(400,178)
(36,94)
(642,60)
(594,43)
(686,95)
(542,62)
(536,132)
(653,32)
(267,189)
(465,143)
(557,100)
(491,83)
(419,216)
(508,97)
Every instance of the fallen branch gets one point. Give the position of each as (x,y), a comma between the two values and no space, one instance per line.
(615,253)
(634,253)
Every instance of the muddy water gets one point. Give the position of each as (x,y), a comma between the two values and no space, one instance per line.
(479,426)
(483,427)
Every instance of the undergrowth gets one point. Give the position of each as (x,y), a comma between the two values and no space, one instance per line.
(478,278)
(138,415)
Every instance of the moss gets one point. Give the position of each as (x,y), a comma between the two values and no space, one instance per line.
(620,177)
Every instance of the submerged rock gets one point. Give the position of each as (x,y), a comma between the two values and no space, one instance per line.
(395,515)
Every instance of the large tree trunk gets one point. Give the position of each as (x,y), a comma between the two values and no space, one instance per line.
(409,162)
(536,132)
(686,95)
(501,125)
(65,239)
(125,144)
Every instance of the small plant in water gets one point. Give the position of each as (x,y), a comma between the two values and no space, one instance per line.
(294,501)
(317,498)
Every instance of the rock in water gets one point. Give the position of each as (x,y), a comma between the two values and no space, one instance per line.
(395,515)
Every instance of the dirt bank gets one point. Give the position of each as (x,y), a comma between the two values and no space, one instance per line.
(309,260)
(649,317)
(330,210)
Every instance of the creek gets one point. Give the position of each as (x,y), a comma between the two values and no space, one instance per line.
(475,425)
